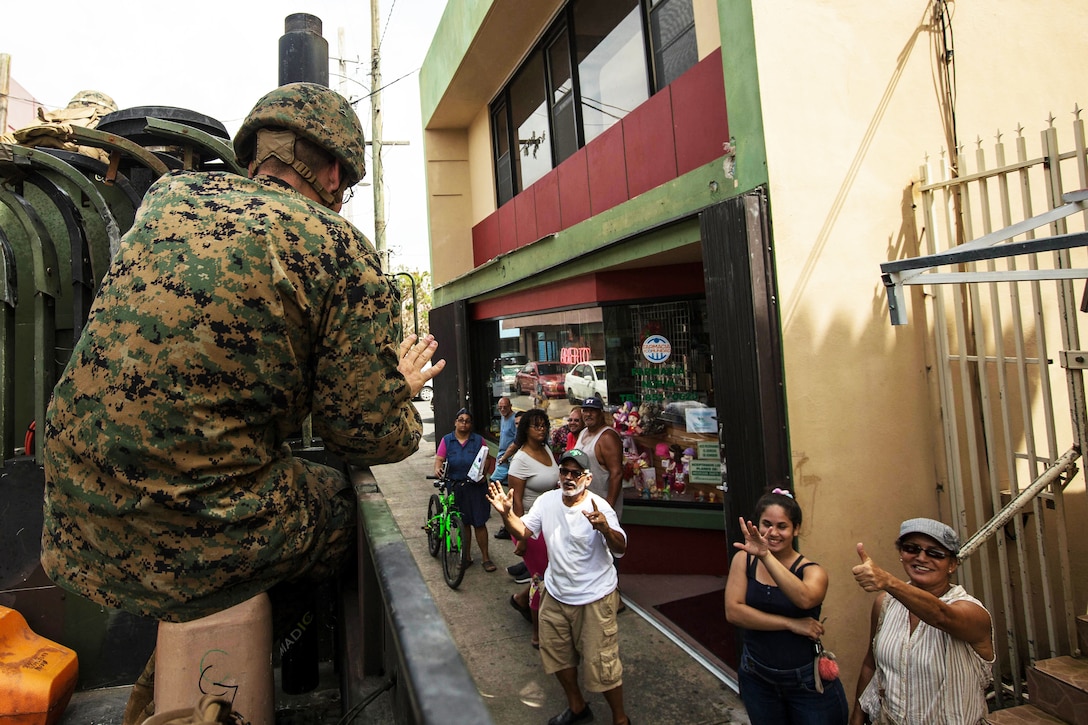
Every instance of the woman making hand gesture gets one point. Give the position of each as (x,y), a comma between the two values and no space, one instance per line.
(775,595)
(931,643)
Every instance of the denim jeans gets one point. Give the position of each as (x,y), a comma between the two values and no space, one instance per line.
(789,697)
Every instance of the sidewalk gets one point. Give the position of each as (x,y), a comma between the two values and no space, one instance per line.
(662,684)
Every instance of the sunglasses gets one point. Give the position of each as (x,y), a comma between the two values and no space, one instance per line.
(568,473)
(932,553)
(464,420)
(539,426)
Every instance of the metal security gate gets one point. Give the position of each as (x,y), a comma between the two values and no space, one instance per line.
(1004,314)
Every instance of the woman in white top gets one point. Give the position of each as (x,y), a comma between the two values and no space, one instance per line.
(533,471)
(932,643)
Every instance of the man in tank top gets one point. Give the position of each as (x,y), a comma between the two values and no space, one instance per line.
(602,444)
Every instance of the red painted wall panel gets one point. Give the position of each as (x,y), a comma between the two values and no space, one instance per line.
(648,144)
(573,190)
(679,129)
(621,286)
(676,551)
(508,228)
(546,192)
(699,116)
(525,216)
(567,292)
(485,240)
(668,281)
(607,170)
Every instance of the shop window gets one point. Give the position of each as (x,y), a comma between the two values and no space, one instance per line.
(660,382)
(662,404)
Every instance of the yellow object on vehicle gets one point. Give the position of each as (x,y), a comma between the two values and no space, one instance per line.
(38,676)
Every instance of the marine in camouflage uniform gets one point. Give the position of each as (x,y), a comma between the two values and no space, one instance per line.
(234,308)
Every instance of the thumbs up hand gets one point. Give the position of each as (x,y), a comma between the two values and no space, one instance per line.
(867,574)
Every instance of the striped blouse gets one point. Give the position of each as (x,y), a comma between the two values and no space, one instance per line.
(928,676)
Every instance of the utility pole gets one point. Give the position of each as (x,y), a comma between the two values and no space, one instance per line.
(5,86)
(376,133)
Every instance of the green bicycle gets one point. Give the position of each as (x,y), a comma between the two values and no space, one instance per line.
(447,532)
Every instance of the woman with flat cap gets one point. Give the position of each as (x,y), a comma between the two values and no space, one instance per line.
(932,643)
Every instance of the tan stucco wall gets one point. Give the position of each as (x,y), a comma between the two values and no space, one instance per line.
(707,37)
(449,199)
(481,166)
(460,192)
(850,110)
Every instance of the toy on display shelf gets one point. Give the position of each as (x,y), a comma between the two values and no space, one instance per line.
(668,470)
(650,421)
(687,457)
(619,417)
(625,421)
(649,481)
(678,484)
(634,463)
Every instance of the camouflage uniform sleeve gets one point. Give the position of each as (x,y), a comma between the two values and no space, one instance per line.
(362,404)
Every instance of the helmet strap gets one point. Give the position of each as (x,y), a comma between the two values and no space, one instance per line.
(281,145)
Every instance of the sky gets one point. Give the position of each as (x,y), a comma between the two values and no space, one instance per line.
(218,58)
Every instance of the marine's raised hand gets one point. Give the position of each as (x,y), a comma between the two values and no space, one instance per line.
(415,353)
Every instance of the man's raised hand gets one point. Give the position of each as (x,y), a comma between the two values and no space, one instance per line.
(596,519)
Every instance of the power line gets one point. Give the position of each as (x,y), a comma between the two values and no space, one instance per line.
(363,98)
(387,17)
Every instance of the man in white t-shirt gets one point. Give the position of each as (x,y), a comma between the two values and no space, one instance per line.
(581,598)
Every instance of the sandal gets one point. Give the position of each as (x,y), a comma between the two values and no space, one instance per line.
(489,566)
(525,611)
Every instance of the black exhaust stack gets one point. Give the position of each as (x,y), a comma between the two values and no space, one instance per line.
(304,53)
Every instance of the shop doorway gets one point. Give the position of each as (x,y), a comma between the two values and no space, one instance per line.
(741,298)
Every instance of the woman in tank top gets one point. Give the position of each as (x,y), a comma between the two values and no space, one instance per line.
(774,594)
(533,471)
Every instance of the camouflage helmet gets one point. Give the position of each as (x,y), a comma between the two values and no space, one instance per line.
(93,98)
(315,113)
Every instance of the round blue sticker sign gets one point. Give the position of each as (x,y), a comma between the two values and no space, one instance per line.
(656,349)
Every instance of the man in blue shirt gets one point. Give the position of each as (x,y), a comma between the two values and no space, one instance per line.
(508,430)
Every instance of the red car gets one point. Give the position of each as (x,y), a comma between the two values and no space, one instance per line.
(545,378)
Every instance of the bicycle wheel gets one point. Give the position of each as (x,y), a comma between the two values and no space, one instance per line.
(434,536)
(455,556)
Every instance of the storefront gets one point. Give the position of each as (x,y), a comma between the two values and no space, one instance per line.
(651,364)
(682,345)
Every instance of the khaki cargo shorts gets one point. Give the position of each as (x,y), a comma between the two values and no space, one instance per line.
(570,634)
